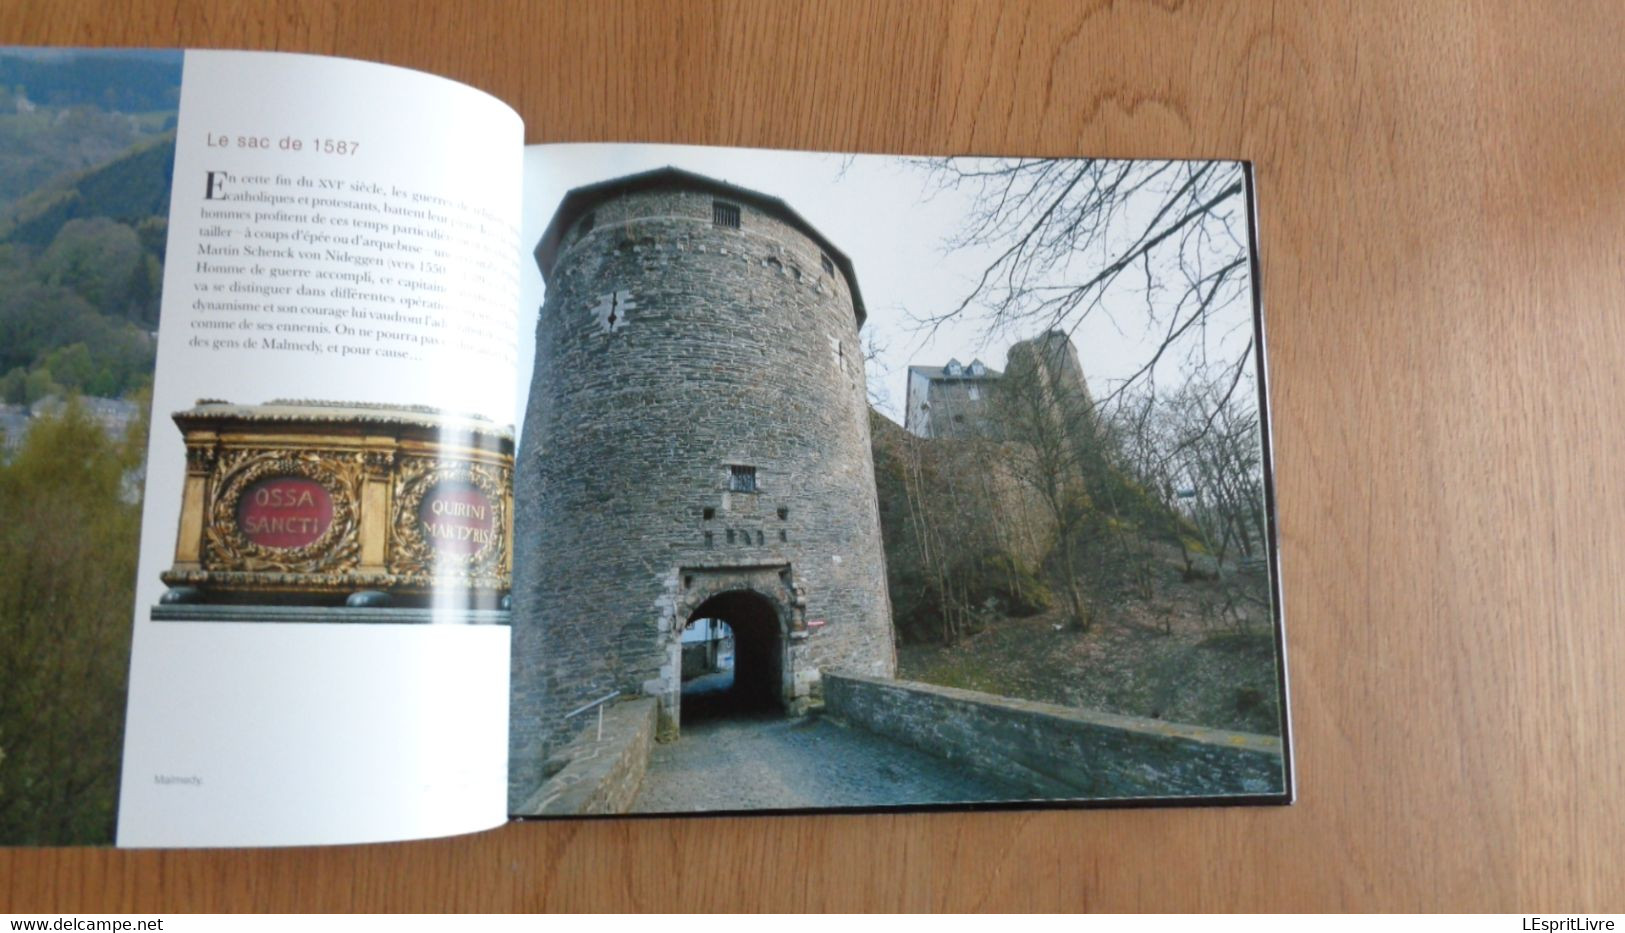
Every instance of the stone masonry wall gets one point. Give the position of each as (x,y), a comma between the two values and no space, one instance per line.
(603,775)
(961,407)
(972,476)
(670,348)
(1056,751)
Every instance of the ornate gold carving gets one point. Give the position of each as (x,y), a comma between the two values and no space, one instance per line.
(346,414)
(200,458)
(378,462)
(378,465)
(414,556)
(324,560)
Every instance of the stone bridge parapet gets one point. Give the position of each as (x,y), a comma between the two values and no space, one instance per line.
(604,772)
(1056,751)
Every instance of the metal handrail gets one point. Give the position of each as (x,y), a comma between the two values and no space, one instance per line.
(598,703)
(601,700)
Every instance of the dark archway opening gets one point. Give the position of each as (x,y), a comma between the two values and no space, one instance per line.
(751,680)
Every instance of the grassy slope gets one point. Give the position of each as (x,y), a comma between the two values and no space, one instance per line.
(1191,672)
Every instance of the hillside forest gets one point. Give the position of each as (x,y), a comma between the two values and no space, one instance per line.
(86,146)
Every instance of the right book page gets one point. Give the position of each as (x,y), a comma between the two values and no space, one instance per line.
(852,481)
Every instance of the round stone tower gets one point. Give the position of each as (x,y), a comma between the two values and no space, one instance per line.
(696,446)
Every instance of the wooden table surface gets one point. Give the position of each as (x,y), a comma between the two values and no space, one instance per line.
(1444,287)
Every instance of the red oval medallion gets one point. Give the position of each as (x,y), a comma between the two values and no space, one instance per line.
(457,518)
(284,512)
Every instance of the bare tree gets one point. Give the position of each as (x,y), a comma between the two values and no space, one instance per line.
(1144,427)
(875,370)
(942,536)
(1214,452)
(1055,450)
(1161,251)
(1067,239)
(1201,452)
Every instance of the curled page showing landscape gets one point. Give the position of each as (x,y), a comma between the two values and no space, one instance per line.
(84,204)
(320,641)
(869,481)
(303,269)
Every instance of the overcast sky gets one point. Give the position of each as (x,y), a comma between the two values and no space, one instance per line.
(886,216)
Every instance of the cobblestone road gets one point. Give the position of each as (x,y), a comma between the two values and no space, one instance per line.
(766,761)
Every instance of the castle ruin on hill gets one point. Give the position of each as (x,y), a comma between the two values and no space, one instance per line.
(957,400)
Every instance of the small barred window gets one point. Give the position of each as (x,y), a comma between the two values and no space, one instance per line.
(724,214)
(741,478)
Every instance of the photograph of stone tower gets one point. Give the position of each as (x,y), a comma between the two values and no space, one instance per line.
(697,448)
(744,580)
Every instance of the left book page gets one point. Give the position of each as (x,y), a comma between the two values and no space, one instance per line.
(309,434)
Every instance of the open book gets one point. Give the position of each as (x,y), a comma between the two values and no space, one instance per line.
(430,479)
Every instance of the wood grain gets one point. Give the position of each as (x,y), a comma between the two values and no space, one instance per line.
(1443,269)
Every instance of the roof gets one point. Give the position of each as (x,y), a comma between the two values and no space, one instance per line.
(578,201)
(941,372)
(353,415)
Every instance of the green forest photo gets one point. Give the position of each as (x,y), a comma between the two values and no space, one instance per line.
(87,141)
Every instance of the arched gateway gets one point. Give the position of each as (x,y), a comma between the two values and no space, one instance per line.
(758,638)
(767,618)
